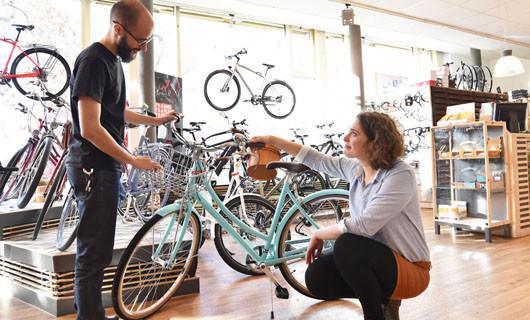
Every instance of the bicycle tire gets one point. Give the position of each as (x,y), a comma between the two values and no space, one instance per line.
(264,99)
(12,163)
(488,78)
(36,169)
(479,80)
(287,234)
(209,99)
(229,254)
(51,197)
(45,51)
(68,224)
(118,286)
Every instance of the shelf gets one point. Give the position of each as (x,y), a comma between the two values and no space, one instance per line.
(473,189)
(473,223)
(470,124)
(469,157)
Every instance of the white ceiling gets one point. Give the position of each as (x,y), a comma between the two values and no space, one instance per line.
(446,25)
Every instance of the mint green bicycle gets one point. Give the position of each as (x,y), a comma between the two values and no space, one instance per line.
(254,235)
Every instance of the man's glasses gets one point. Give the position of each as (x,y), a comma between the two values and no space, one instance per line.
(141,42)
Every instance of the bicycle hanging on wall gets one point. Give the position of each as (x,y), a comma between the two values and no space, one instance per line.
(223,91)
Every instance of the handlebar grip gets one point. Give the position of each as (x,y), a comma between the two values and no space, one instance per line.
(151,114)
(257,145)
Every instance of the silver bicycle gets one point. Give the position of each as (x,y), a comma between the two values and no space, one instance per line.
(223,91)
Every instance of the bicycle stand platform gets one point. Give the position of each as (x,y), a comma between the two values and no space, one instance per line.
(38,274)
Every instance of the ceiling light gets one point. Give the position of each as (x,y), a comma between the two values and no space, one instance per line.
(508,65)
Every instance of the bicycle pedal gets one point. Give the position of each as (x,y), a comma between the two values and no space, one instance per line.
(281,292)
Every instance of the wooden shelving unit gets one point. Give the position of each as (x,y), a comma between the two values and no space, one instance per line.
(518,149)
(442,97)
(456,176)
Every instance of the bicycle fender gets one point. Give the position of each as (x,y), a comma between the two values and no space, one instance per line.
(293,209)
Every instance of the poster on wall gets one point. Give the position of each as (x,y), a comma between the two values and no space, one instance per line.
(168,97)
(390,85)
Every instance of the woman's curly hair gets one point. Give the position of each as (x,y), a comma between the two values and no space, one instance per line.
(385,141)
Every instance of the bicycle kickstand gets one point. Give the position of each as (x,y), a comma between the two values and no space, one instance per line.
(281,292)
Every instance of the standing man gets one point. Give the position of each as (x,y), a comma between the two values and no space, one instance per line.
(96,152)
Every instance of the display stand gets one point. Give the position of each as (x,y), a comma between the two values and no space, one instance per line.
(470,177)
(38,274)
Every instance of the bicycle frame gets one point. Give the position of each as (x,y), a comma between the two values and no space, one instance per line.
(269,256)
(236,71)
(14,45)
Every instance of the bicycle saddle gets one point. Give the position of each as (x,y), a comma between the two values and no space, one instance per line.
(21,27)
(289,166)
(197,123)
(269,66)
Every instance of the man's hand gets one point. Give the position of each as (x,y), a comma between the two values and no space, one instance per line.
(314,249)
(170,116)
(144,162)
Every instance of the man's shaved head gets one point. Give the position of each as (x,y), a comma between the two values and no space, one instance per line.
(128,12)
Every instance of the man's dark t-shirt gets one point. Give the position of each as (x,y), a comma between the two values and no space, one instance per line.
(97,74)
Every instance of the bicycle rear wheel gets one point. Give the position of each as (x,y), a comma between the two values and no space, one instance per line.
(326,210)
(278,99)
(32,178)
(222,90)
(143,285)
(54,194)
(54,73)
(67,230)
(259,213)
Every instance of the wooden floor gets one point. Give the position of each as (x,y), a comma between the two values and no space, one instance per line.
(470,279)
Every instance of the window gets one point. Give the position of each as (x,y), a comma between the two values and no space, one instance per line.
(63,31)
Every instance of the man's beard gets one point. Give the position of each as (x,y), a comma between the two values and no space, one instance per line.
(124,52)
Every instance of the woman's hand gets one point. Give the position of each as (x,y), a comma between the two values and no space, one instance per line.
(314,249)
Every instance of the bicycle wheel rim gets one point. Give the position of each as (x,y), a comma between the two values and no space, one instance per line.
(55,73)
(325,211)
(137,267)
(222,90)
(68,223)
(278,100)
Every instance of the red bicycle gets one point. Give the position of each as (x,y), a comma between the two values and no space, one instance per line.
(39,66)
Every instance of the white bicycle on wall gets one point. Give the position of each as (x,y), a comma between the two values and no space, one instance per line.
(223,91)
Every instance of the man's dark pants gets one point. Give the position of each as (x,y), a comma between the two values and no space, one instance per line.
(95,236)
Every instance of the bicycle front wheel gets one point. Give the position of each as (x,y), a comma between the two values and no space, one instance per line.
(324,211)
(278,99)
(54,194)
(53,72)
(222,90)
(67,229)
(146,279)
(9,180)
(32,177)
